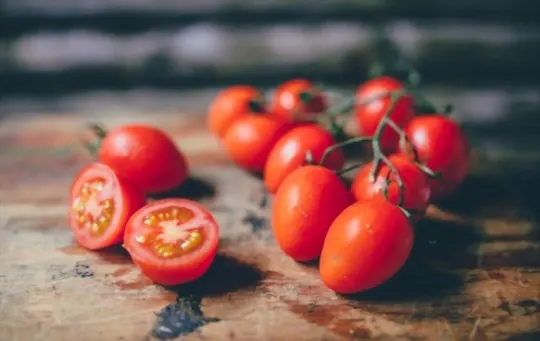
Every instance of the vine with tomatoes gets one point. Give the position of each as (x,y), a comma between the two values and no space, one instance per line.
(363,231)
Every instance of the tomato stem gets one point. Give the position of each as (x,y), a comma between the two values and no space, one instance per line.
(337,146)
(94,145)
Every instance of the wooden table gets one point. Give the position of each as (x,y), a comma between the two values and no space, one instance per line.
(474,273)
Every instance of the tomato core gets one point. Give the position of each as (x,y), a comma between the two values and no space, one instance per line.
(94,206)
(173,231)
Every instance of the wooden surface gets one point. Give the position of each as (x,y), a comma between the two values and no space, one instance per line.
(474,273)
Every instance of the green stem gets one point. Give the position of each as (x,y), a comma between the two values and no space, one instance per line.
(336,146)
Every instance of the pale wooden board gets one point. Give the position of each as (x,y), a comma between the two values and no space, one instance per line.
(474,273)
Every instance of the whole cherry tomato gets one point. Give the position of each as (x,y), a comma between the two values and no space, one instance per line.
(365,246)
(369,113)
(290,152)
(305,205)
(231,103)
(250,139)
(443,147)
(416,191)
(101,204)
(172,241)
(146,156)
(297,99)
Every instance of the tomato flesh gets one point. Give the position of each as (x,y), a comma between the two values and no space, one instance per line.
(173,241)
(101,203)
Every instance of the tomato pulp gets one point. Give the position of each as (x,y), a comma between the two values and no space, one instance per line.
(172,241)
(101,204)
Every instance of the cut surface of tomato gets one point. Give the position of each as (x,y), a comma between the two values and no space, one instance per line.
(100,206)
(172,241)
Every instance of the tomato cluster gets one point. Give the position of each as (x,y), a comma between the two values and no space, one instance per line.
(362,233)
(172,241)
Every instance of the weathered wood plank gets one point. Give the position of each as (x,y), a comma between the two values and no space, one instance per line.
(474,272)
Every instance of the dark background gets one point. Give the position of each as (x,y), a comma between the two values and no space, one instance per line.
(87,55)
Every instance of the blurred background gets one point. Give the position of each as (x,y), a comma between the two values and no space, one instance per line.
(78,57)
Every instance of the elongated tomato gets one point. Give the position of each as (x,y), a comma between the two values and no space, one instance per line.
(172,241)
(304,207)
(366,245)
(100,205)
(416,190)
(290,151)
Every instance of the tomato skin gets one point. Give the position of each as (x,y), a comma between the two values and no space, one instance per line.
(230,104)
(290,151)
(416,186)
(303,209)
(146,156)
(188,267)
(287,102)
(366,245)
(443,147)
(127,197)
(250,139)
(369,115)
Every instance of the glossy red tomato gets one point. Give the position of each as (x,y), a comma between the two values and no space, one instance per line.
(250,139)
(369,114)
(100,205)
(232,103)
(305,205)
(443,147)
(297,99)
(290,152)
(146,156)
(416,193)
(172,241)
(365,246)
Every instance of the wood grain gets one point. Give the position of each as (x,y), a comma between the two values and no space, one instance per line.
(474,273)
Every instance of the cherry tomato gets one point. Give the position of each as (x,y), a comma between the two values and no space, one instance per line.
(298,98)
(146,156)
(369,115)
(305,205)
(172,241)
(443,147)
(366,245)
(416,192)
(290,152)
(101,204)
(250,139)
(232,103)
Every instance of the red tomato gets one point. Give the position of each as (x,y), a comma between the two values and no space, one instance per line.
(290,152)
(230,104)
(250,139)
(366,245)
(146,156)
(172,241)
(416,187)
(305,205)
(101,204)
(296,99)
(369,115)
(443,147)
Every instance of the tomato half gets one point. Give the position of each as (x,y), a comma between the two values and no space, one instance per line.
(304,207)
(370,114)
(297,98)
(232,103)
(416,192)
(443,147)
(146,156)
(100,205)
(172,241)
(290,151)
(250,139)
(365,246)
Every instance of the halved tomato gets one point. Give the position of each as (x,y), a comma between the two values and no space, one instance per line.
(172,241)
(100,205)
